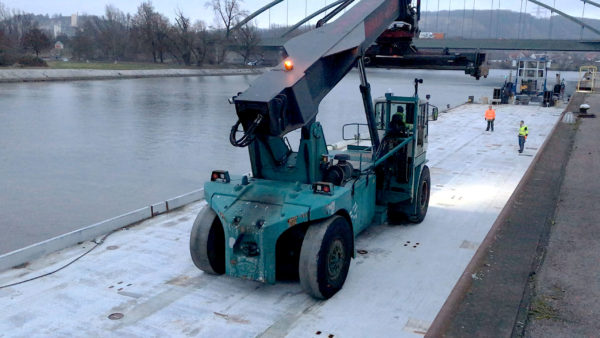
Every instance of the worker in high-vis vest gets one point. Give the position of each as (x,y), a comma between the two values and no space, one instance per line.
(523,132)
(490,116)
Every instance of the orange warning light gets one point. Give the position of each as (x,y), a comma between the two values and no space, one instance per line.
(288,65)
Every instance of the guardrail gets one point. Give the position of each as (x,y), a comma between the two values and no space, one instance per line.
(93,231)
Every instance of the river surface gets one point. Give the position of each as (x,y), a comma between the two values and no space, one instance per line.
(76,153)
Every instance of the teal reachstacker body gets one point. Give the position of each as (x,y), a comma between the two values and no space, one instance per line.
(297,215)
(256,212)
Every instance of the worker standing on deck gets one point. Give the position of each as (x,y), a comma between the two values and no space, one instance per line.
(523,132)
(490,116)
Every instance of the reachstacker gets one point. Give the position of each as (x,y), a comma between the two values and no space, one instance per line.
(297,215)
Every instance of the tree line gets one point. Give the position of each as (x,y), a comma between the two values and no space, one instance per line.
(147,35)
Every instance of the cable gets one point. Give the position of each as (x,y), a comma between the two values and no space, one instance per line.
(520,20)
(448,20)
(473,20)
(582,17)
(492,20)
(462,26)
(437,17)
(64,266)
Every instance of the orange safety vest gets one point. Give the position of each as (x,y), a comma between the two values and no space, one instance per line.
(490,114)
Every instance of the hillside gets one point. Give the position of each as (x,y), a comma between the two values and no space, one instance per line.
(503,24)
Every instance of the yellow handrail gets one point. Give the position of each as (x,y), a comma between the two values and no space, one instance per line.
(587,79)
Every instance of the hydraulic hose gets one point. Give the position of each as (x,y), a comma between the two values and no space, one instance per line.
(249,134)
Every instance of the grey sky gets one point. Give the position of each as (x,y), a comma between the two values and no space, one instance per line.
(288,11)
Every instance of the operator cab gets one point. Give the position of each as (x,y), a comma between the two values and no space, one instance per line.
(396,116)
(399,119)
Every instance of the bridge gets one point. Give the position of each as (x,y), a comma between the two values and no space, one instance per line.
(510,44)
(461,43)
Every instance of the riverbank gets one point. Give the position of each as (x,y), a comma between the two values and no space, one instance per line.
(37,75)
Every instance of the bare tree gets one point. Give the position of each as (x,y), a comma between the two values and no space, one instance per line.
(4,12)
(201,42)
(114,32)
(161,36)
(4,42)
(36,40)
(82,45)
(143,21)
(152,29)
(246,39)
(227,13)
(182,37)
(15,27)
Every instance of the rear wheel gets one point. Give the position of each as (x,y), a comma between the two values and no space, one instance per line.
(422,199)
(207,242)
(325,257)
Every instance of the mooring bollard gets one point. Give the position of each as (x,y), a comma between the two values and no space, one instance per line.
(583,109)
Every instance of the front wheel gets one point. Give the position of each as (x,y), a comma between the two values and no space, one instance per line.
(325,257)
(422,199)
(207,242)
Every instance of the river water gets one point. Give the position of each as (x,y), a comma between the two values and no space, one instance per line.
(76,153)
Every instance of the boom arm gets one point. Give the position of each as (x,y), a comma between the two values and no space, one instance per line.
(288,100)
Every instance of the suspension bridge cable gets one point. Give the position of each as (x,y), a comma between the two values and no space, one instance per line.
(551,12)
(448,20)
(473,19)
(520,18)
(427,11)
(498,21)
(306,9)
(437,17)
(582,26)
(525,25)
(462,27)
(491,19)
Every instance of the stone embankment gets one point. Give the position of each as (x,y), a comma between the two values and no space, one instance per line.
(32,75)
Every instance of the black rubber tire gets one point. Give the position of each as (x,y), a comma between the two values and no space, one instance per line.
(207,242)
(422,199)
(325,257)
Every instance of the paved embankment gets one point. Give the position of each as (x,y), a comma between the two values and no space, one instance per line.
(537,275)
(567,285)
(32,75)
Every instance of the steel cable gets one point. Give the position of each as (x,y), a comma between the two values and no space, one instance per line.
(64,266)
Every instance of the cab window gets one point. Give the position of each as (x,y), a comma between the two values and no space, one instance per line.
(398,108)
(423,124)
(380,116)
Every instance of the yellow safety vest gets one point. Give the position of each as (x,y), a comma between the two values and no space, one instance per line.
(523,131)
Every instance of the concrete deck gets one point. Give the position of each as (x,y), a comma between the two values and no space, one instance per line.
(538,270)
(395,289)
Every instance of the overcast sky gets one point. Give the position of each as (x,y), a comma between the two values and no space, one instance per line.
(289,11)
